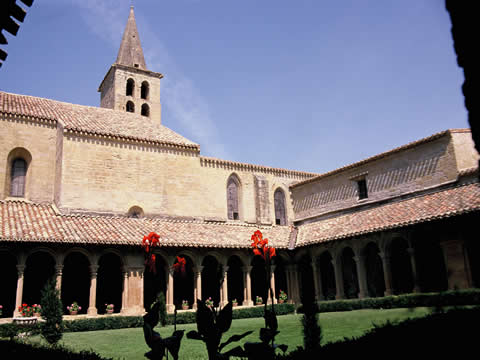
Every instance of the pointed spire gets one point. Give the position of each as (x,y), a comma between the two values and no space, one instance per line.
(130,52)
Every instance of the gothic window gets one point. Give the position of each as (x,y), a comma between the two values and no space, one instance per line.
(130,87)
(130,107)
(279,202)
(144,90)
(135,212)
(145,110)
(232,198)
(19,172)
(362,189)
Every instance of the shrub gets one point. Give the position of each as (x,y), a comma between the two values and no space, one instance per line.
(52,313)
(162,309)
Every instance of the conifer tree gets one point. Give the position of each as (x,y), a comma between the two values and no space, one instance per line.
(52,328)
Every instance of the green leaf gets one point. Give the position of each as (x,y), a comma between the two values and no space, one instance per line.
(236,351)
(267,335)
(282,347)
(234,338)
(224,319)
(194,335)
(205,320)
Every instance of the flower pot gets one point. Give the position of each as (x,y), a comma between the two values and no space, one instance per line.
(110,311)
(280,301)
(37,314)
(258,303)
(185,307)
(234,304)
(73,312)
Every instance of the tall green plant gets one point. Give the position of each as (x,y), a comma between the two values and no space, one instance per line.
(162,309)
(312,332)
(52,313)
(211,325)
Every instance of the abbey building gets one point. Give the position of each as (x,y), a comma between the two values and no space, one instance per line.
(82,185)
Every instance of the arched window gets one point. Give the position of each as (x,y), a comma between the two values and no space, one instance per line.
(144,90)
(130,106)
(279,202)
(145,110)
(232,198)
(135,212)
(130,87)
(19,172)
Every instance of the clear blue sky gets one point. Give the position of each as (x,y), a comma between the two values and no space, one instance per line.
(310,85)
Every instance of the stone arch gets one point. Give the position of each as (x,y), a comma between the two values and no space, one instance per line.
(401,267)
(145,111)
(183,283)
(76,279)
(327,275)
(39,268)
(211,277)
(130,106)
(110,280)
(135,212)
(190,254)
(430,260)
(19,186)
(8,269)
(374,270)
(234,196)
(280,206)
(155,283)
(130,87)
(307,287)
(349,271)
(258,277)
(235,285)
(145,90)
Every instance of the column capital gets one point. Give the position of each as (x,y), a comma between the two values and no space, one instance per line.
(411,251)
(21,269)
(93,270)
(272,268)
(247,268)
(225,269)
(198,269)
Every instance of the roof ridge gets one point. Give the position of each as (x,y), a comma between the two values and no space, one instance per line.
(381,155)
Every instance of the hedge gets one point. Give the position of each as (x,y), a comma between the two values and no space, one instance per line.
(121,322)
(19,350)
(446,298)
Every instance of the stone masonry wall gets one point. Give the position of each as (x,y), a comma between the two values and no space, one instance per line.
(413,169)
(113,176)
(38,138)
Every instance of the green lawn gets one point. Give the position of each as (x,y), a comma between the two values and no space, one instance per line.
(130,344)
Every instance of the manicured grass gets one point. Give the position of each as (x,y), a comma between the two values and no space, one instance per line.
(130,344)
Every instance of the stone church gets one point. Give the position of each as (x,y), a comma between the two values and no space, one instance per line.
(82,185)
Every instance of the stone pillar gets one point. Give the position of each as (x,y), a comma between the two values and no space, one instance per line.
(124,309)
(197,294)
(295,282)
(317,282)
(387,274)
(416,286)
(170,305)
(456,264)
(337,266)
(272,285)
(134,288)
(362,279)
(19,297)
(58,275)
(288,274)
(92,310)
(248,286)
(224,289)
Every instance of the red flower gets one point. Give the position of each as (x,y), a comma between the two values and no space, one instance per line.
(260,246)
(179,266)
(149,242)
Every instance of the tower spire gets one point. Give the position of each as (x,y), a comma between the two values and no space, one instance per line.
(130,52)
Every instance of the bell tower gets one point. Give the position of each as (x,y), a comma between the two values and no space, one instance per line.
(129,85)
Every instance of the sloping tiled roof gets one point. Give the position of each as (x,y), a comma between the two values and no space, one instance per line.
(92,120)
(27,222)
(438,205)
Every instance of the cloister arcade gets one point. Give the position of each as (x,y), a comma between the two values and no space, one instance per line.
(371,266)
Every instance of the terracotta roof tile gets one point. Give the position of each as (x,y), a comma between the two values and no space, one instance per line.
(24,221)
(442,204)
(92,120)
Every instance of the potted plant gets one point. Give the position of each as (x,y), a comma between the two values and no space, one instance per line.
(258,300)
(282,297)
(234,302)
(74,308)
(109,308)
(25,310)
(185,305)
(37,310)
(209,302)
